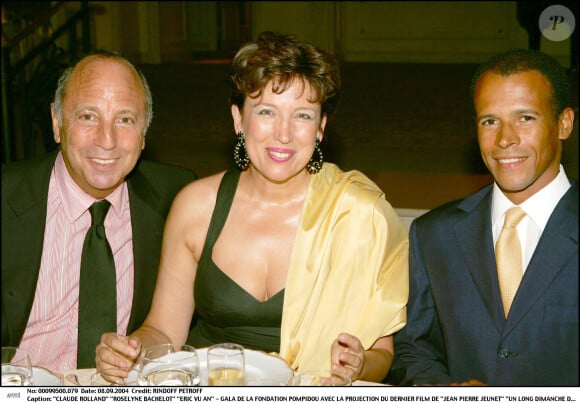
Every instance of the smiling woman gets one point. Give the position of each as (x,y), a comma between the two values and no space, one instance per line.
(280,129)
(262,245)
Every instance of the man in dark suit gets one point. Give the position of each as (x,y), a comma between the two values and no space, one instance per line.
(460,328)
(101,113)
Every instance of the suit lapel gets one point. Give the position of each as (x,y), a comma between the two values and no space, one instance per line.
(474,237)
(561,235)
(27,216)
(34,191)
(147,222)
(18,289)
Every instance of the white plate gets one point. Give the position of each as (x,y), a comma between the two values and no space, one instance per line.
(43,377)
(259,365)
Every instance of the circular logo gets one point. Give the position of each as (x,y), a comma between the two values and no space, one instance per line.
(557,23)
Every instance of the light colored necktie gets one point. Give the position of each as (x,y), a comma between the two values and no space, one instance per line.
(508,256)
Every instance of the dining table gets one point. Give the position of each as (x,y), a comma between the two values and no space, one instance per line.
(261,369)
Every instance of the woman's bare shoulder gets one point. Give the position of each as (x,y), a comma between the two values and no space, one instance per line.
(204,184)
(191,213)
(200,194)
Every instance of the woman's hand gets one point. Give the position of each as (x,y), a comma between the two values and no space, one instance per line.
(347,356)
(116,355)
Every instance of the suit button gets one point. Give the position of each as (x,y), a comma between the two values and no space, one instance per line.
(504,352)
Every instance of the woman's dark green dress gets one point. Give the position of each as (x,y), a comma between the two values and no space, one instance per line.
(225,312)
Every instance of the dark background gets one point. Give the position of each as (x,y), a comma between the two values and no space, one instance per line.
(409,126)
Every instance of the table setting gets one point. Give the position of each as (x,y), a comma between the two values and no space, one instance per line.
(225,364)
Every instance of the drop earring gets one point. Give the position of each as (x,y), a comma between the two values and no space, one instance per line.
(314,166)
(240,154)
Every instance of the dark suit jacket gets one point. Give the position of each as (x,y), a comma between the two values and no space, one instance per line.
(456,330)
(152,187)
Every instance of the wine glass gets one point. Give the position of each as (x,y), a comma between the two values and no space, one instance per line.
(169,365)
(226,365)
(16,367)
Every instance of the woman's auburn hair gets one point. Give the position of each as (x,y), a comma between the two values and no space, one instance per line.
(280,59)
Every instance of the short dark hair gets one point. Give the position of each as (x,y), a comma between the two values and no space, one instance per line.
(282,58)
(522,60)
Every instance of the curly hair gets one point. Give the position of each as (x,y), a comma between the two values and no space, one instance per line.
(280,59)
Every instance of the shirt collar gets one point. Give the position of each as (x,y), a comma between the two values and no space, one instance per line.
(75,200)
(538,207)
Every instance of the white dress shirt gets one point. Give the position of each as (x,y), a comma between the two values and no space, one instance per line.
(538,210)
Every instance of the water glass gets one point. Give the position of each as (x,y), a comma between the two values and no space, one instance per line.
(16,367)
(226,365)
(320,378)
(169,365)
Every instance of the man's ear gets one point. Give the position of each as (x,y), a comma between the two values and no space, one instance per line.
(55,125)
(565,123)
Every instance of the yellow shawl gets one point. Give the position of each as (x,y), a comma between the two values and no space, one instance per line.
(348,271)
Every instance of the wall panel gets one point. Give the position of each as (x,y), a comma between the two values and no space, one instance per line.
(445,32)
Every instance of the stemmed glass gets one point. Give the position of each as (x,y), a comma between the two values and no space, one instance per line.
(169,365)
(16,367)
